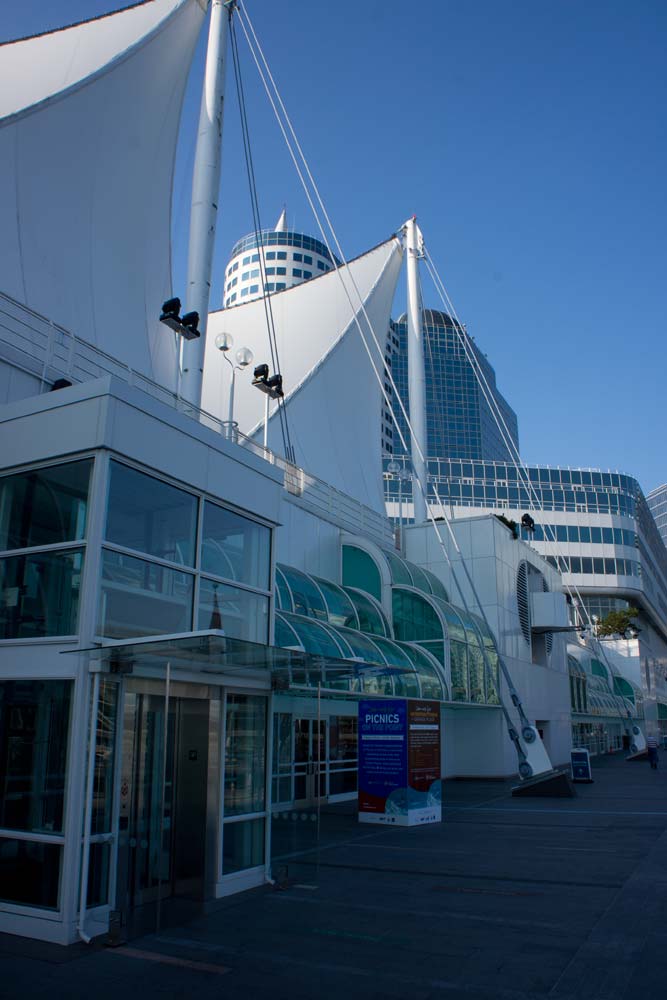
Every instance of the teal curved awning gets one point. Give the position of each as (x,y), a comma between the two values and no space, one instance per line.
(394,668)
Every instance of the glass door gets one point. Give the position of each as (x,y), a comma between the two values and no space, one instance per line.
(244,818)
(149,822)
(163,810)
(343,756)
(310,761)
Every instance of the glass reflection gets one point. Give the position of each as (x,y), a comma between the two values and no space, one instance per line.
(40,594)
(44,506)
(150,516)
(34,727)
(239,613)
(235,547)
(245,754)
(242,845)
(142,598)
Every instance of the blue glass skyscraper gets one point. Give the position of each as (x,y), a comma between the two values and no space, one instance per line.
(459,419)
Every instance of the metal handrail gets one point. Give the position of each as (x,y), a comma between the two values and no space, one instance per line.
(48,351)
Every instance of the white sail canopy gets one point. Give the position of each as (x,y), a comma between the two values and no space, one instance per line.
(333,396)
(88,130)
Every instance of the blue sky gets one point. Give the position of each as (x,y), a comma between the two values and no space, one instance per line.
(530,138)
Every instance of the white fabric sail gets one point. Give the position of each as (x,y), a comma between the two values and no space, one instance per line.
(87,148)
(333,397)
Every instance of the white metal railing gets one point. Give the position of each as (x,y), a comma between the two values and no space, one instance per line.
(47,351)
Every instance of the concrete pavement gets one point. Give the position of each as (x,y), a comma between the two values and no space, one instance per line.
(517,899)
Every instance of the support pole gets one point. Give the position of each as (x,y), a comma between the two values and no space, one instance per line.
(205,192)
(88,813)
(266,422)
(165,741)
(416,376)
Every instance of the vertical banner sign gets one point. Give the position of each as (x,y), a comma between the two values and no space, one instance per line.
(383,763)
(424,786)
(399,762)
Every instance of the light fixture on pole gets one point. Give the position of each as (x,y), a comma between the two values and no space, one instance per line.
(272,387)
(403,476)
(244,357)
(185,326)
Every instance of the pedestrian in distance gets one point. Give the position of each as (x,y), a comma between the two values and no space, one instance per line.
(652,747)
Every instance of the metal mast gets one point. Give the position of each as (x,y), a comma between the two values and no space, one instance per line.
(416,376)
(205,192)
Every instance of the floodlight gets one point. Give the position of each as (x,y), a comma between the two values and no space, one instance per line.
(275,383)
(189,326)
(172,307)
(261,372)
(170,315)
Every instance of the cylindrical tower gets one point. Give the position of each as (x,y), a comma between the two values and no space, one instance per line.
(289,259)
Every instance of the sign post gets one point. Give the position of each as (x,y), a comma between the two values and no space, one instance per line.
(399,762)
(580,761)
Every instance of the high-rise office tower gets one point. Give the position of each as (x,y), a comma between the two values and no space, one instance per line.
(657,504)
(460,420)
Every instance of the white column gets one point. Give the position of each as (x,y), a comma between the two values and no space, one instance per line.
(205,193)
(416,377)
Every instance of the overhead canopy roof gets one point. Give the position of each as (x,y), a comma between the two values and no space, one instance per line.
(403,669)
(332,374)
(89,119)
(212,652)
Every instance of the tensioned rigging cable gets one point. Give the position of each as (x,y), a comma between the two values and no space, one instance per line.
(284,126)
(266,297)
(512,450)
(264,74)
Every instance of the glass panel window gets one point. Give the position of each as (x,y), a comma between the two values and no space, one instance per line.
(459,668)
(242,845)
(235,547)
(142,598)
(239,613)
(245,756)
(39,594)
(30,873)
(44,506)
(151,516)
(282,757)
(98,874)
(339,606)
(360,570)
(34,727)
(104,757)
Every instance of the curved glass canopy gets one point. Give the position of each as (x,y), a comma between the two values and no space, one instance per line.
(403,669)
(440,628)
(357,572)
(429,635)
(311,596)
(370,615)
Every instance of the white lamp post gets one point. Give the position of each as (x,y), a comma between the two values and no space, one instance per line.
(244,357)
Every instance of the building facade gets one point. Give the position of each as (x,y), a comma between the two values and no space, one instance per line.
(289,259)
(459,415)
(595,527)
(657,504)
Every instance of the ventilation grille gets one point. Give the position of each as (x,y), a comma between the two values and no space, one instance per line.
(523,591)
(522,600)
(548,636)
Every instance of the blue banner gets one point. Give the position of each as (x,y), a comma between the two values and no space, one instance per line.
(383,758)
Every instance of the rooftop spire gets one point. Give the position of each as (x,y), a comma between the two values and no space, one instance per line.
(281,224)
